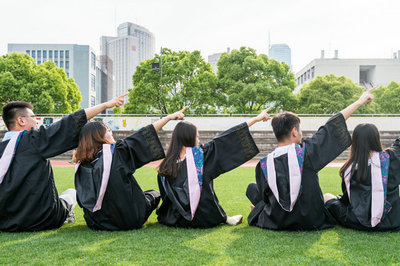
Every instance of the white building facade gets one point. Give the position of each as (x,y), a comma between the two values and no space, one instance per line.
(78,62)
(133,45)
(365,72)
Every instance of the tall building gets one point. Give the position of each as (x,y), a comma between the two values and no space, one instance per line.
(281,53)
(213,60)
(78,62)
(365,72)
(105,79)
(133,45)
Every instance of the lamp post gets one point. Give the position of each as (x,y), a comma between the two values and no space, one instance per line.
(158,66)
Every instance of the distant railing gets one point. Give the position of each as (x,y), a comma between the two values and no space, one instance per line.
(220,115)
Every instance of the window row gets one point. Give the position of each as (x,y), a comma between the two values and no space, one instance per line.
(50,53)
(307,75)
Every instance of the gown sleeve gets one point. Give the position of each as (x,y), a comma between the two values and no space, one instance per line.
(59,137)
(140,148)
(328,142)
(228,150)
(395,160)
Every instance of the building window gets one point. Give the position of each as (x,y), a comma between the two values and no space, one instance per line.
(93,61)
(312,72)
(55,54)
(67,75)
(39,62)
(62,64)
(66,64)
(33,53)
(67,54)
(61,54)
(92,82)
(51,54)
(39,53)
(308,74)
(44,54)
(28,52)
(56,62)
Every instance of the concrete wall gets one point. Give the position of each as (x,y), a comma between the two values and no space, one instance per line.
(262,132)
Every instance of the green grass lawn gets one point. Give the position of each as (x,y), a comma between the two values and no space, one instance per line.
(157,244)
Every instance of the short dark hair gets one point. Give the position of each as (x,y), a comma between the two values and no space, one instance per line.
(283,123)
(12,110)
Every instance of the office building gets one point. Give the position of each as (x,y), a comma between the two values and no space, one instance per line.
(365,72)
(281,53)
(78,62)
(133,45)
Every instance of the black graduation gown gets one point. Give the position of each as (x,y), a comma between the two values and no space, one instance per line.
(124,204)
(225,152)
(308,212)
(344,213)
(28,196)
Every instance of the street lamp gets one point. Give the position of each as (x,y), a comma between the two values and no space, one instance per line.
(158,66)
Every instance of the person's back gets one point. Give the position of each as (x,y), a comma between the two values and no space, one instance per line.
(28,196)
(287,195)
(107,191)
(370,184)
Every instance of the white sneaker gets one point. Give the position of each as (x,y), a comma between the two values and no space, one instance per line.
(234,220)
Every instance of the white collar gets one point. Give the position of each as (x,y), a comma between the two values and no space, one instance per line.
(8,135)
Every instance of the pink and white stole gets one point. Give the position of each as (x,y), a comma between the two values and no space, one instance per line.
(377,188)
(8,154)
(193,173)
(107,160)
(295,170)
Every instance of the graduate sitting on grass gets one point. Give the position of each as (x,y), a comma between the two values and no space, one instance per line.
(186,175)
(106,189)
(28,196)
(370,184)
(287,195)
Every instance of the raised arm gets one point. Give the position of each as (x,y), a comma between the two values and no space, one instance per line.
(365,98)
(93,111)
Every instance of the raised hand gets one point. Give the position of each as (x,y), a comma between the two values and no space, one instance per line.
(264,116)
(367,96)
(116,102)
(178,115)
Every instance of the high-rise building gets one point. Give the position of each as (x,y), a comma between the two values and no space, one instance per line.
(281,53)
(213,60)
(78,62)
(133,45)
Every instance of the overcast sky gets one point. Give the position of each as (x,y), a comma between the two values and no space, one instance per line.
(357,28)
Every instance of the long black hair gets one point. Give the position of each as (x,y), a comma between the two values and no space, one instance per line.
(184,135)
(364,140)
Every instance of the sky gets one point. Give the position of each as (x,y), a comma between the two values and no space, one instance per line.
(357,28)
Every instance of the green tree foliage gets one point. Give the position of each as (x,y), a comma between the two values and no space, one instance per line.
(388,98)
(330,94)
(187,78)
(45,86)
(252,82)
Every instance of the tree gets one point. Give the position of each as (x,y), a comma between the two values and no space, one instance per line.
(251,82)
(186,79)
(388,98)
(330,94)
(45,86)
